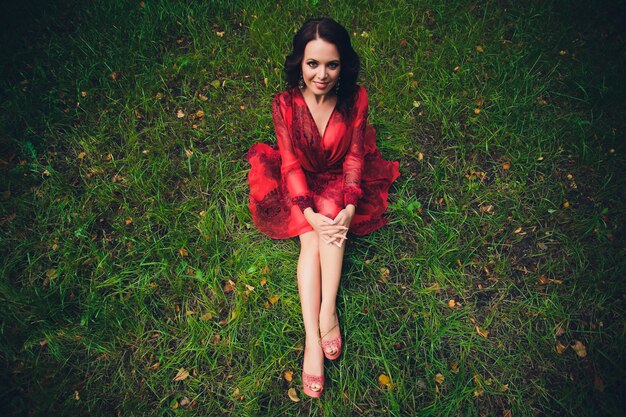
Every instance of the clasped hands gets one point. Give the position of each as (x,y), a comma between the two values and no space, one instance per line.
(331,231)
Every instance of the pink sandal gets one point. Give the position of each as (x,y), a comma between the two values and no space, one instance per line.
(333,344)
(308,381)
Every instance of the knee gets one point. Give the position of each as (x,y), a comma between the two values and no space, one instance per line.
(309,244)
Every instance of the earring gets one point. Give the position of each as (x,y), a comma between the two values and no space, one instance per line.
(337,86)
(301,83)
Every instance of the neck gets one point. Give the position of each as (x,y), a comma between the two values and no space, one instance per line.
(321,99)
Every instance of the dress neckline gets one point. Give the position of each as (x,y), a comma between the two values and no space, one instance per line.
(332,113)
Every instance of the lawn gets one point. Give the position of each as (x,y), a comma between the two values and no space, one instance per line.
(133,282)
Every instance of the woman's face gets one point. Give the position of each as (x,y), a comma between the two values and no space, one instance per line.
(320,66)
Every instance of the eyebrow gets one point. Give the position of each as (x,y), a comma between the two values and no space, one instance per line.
(330,62)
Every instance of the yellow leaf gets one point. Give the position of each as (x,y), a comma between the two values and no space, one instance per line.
(76,396)
(180,114)
(274,299)
(565,204)
(507,413)
(383,380)
(506,166)
(220,34)
(486,209)
(479,48)
(384,274)
(81,155)
(206,316)
(236,392)
(451,303)
(266,81)
(481,332)
(476,110)
(200,113)
(263,282)
(229,286)
(456,68)
(479,392)
(183,252)
(249,287)
(579,348)
(128,221)
(288,376)
(293,395)
(188,153)
(560,348)
(439,378)
(155,366)
(454,367)
(242,107)
(420,156)
(181,375)
(504,388)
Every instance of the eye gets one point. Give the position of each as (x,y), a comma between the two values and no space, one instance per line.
(333,65)
(312,64)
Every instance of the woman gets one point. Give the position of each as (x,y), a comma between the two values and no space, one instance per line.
(326,178)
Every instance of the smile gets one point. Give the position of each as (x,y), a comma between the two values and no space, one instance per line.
(320,85)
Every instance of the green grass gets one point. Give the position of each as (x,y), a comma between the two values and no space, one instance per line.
(122,224)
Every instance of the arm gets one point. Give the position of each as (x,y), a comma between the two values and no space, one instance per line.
(290,166)
(353,163)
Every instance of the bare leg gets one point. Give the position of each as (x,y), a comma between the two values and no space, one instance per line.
(331,258)
(309,288)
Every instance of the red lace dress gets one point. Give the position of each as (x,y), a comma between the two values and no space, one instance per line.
(325,173)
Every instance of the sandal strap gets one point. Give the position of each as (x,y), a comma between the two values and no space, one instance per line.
(308,380)
(330,330)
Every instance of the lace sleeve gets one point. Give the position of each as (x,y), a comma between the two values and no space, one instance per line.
(291,170)
(353,163)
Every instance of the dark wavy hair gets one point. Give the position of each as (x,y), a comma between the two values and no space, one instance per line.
(327,29)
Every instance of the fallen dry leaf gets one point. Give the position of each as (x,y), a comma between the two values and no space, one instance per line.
(486,209)
(451,303)
(439,378)
(560,348)
(579,348)
(229,286)
(180,114)
(560,331)
(543,279)
(506,166)
(481,332)
(454,367)
(293,395)
(384,274)
(507,413)
(183,252)
(236,392)
(479,48)
(184,402)
(274,299)
(504,388)
(383,380)
(181,375)
(206,316)
(288,376)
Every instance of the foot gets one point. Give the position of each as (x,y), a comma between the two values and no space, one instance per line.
(313,369)
(330,339)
